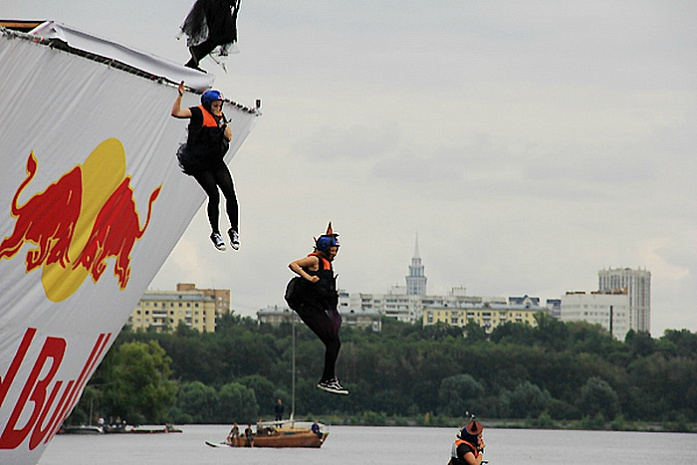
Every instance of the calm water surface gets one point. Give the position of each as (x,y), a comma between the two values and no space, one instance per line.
(378,445)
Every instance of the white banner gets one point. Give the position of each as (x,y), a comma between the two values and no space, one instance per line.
(92,202)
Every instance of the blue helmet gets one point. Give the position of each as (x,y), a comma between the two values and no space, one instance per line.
(324,243)
(209,97)
(327,240)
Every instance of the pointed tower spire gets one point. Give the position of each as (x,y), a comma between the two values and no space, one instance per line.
(416,280)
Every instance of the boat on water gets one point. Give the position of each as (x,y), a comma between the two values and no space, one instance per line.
(165,429)
(286,433)
(289,434)
(116,429)
(81,429)
(92,202)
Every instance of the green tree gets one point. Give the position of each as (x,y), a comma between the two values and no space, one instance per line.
(237,404)
(88,408)
(526,401)
(459,393)
(264,391)
(475,332)
(640,343)
(199,401)
(551,333)
(678,343)
(136,386)
(598,398)
(513,333)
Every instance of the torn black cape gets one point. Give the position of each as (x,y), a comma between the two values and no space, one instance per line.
(214,20)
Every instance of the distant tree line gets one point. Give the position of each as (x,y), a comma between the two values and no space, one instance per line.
(552,372)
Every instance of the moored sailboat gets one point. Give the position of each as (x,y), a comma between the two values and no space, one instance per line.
(286,433)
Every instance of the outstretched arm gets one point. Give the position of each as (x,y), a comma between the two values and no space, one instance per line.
(177,110)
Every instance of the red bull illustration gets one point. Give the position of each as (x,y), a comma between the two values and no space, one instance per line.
(78,222)
(115,231)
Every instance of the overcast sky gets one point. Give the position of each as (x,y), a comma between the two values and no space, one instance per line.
(530,144)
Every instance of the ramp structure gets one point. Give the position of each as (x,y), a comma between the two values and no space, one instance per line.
(92,201)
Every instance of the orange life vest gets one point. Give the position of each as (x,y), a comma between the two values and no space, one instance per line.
(209,120)
(325,264)
(459,442)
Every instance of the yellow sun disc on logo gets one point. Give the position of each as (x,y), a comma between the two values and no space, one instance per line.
(102,172)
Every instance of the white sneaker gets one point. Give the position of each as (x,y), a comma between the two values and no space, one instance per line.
(332,386)
(218,241)
(234,239)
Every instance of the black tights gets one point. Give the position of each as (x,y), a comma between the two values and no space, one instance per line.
(325,324)
(332,346)
(199,52)
(211,180)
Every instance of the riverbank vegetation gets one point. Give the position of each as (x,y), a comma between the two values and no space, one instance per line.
(554,375)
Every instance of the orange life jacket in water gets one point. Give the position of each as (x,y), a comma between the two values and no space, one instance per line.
(454,459)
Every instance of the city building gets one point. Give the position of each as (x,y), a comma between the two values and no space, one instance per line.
(351,318)
(416,280)
(407,308)
(407,303)
(554,308)
(609,309)
(488,315)
(221,296)
(638,285)
(162,311)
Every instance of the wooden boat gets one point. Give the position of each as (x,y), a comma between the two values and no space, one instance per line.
(293,434)
(287,433)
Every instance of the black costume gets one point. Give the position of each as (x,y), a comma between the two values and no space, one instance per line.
(316,304)
(202,157)
(210,24)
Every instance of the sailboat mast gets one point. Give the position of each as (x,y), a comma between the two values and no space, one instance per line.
(292,406)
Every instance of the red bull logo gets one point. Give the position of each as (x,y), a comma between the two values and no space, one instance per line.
(78,222)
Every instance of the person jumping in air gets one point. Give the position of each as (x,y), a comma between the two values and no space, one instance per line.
(201,156)
(313,295)
(210,24)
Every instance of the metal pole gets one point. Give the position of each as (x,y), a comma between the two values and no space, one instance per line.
(292,408)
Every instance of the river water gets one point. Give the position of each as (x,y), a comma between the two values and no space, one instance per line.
(378,445)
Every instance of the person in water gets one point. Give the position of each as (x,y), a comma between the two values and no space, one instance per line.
(469,445)
(209,25)
(208,141)
(313,295)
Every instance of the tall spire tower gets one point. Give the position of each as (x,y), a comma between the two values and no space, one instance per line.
(416,281)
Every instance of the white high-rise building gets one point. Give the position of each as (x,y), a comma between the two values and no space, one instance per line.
(416,280)
(638,285)
(609,309)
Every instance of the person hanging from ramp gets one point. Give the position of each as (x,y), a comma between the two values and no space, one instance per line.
(314,297)
(201,157)
(210,25)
